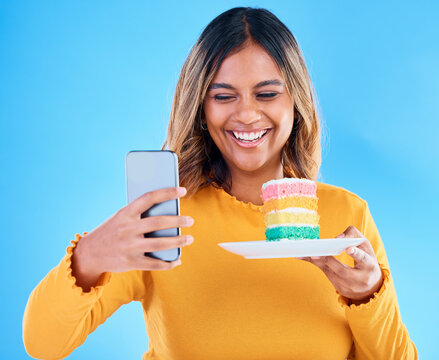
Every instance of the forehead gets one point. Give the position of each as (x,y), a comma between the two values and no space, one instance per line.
(250,65)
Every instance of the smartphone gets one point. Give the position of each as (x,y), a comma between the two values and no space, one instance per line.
(148,171)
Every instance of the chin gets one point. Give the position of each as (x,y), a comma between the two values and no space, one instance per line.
(249,167)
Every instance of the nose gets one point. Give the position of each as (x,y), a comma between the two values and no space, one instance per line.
(247,111)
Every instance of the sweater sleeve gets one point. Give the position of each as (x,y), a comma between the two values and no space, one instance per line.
(377,328)
(59,315)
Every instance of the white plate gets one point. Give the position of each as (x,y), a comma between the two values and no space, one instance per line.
(290,248)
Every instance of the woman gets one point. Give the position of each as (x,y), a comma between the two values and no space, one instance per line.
(243,114)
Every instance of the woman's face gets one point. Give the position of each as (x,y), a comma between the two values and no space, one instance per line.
(248,111)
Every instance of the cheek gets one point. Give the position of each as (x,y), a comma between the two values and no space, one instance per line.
(283,121)
(214,113)
(215,119)
(284,125)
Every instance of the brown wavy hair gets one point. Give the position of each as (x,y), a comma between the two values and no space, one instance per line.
(200,161)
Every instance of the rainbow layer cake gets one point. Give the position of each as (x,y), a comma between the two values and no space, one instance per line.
(290,209)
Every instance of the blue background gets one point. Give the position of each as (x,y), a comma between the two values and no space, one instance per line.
(82,83)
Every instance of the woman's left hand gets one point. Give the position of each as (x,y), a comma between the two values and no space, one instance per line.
(358,283)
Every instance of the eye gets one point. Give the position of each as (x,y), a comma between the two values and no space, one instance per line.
(222,97)
(266,95)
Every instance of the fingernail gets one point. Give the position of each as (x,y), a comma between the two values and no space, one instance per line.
(189,220)
(181,190)
(189,239)
(315,257)
(350,251)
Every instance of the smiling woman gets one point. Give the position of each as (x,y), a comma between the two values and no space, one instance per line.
(243,114)
(249,114)
(245,74)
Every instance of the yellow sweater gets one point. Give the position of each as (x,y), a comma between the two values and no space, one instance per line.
(218,305)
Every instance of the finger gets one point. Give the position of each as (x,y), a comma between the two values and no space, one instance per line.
(338,276)
(147,200)
(155,223)
(148,263)
(367,247)
(161,243)
(304,258)
(361,258)
(330,266)
(352,232)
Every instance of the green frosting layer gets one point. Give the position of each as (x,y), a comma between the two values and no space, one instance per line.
(292,232)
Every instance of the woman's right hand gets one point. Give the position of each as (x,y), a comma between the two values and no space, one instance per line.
(119,245)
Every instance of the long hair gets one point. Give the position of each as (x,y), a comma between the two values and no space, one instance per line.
(200,161)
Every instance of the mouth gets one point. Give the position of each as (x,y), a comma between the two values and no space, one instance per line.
(249,139)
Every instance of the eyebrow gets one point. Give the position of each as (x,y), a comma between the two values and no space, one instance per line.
(258,85)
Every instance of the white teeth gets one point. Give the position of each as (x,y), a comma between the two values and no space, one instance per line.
(249,136)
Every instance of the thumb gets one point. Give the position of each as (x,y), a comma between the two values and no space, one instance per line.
(361,258)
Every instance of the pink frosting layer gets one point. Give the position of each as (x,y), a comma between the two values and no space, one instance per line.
(289,189)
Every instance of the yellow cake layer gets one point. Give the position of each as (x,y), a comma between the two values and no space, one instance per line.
(291,218)
(305,202)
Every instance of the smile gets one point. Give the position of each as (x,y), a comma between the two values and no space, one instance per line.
(248,139)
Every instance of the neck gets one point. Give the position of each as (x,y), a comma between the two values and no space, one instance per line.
(246,186)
